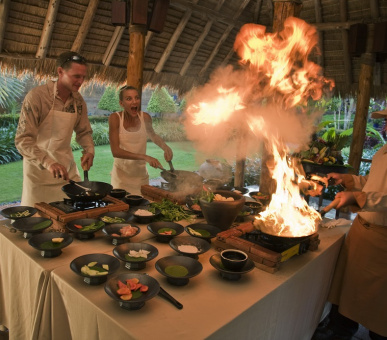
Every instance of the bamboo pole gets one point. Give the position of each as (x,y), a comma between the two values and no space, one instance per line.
(136,56)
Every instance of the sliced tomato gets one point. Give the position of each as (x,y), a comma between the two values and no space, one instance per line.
(144,288)
(124,291)
(138,286)
(121,284)
(77,226)
(126,297)
(131,284)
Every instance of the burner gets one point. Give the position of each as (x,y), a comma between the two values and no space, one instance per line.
(68,205)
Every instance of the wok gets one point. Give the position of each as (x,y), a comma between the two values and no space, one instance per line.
(98,191)
(180,177)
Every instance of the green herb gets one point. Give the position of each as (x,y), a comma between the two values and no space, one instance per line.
(50,245)
(176,271)
(42,225)
(170,211)
(203,232)
(136,294)
(93,226)
(98,269)
(164,230)
(24,213)
(109,219)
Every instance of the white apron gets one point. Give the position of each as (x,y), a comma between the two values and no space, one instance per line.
(54,136)
(131,174)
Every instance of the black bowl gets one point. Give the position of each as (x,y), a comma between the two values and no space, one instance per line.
(111,288)
(156,227)
(135,263)
(43,242)
(118,193)
(257,196)
(245,212)
(15,213)
(229,274)
(112,231)
(84,234)
(134,199)
(191,203)
(313,168)
(116,217)
(240,190)
(191,266)
(256,207)
(31,225)
(101,259)
(145,219)
(203,230)
(196,246)
(233,259)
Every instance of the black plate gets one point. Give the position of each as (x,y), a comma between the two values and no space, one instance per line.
(37,240)
(27,225)
(120,214)
(145,219)
(135,264)
(7,212)
(201,245)
(193,266)
(203,226)
(115,229)
(154,227)
(83,235)
(111,289)
(101,259)
(216,262)
(242,190)
(264,199)
(256,207)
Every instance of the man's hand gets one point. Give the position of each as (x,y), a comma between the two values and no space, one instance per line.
(87,161)
(59,171)
(346,198)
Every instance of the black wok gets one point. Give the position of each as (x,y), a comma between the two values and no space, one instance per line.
(98,191)
(180,177)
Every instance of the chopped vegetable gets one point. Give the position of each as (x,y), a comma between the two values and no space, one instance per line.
(170,211)
(109,219)
(57,239)
(133,289)
(42,225)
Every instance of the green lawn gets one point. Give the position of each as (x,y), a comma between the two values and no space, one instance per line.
(185,158)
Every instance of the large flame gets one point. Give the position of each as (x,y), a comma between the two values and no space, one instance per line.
(265,101)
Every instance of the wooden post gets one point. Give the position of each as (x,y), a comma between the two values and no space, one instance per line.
(282,10)
(137,35)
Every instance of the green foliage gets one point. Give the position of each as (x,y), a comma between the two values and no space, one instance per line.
(100,135)
(169,130)
(9,120)
(161,102)
(110,100)
(183,105)
(11,88)
(8,151)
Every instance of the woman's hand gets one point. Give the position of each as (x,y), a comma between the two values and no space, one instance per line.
(346,198)
(337,177)
(153,162)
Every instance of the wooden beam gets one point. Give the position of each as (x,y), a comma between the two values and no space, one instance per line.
(345,38)
(136,56)
(224,36)
(257,10)
(148,39)
(198,42)
(4,9)
(227,57)
(112,47)
(85,26)
(374,6)
(320,44)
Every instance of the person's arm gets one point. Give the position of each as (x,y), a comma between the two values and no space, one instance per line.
(27,132)
(155,138)
(114,128)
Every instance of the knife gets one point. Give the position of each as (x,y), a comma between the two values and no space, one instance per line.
(163,293)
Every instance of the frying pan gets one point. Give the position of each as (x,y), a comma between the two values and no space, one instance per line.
(179,177)
(98,191)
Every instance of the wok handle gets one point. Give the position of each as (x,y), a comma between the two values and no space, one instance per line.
(171,166)
(85,171)
(163,293)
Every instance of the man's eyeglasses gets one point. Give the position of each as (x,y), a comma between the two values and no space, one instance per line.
(76,58)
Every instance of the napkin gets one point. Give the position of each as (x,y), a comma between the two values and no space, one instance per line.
(334,223)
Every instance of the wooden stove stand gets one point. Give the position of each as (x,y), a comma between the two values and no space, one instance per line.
(265,259)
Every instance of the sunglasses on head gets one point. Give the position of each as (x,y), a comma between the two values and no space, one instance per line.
(75,58)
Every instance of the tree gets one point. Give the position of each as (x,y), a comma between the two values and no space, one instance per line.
(161,102)
(11,88)
(110,100)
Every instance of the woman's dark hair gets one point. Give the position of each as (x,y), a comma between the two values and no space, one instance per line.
(124,88)
(67,58)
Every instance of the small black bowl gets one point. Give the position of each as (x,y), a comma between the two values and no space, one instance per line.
(256,207)
(112,231)
(31,225)
(202,230)
(101,259)
(15,213)
(245,212)
(118,193)
(240,190)
(191,266)
(116,217)
(233,259)
(84,234)
(197,245)
(43,242)
(144,219)
(134,199)
(259,197)
(193,205)
(111,288)
(156,227)
(229,274)
(135,263)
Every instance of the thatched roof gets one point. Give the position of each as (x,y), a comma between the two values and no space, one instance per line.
(197,37)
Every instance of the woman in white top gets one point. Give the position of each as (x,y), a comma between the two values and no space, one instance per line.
(128,133)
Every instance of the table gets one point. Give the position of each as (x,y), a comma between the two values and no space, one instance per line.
(284,305)
(25,290)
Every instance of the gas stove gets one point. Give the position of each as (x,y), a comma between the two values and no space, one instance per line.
(69,206)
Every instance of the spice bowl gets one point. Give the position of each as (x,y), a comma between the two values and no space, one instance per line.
(178,269)
(189,246)
(233,259)
(135,255)
(164,230)
(50,244)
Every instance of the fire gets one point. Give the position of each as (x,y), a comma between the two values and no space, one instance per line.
(265,101)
